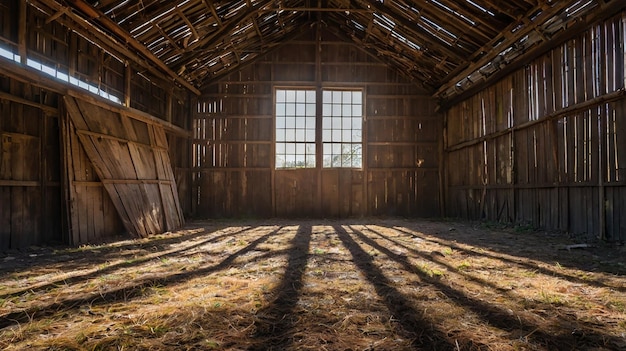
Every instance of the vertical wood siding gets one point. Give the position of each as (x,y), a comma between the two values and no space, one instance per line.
(36,163)
(545,146)
(233,150)
(30,192)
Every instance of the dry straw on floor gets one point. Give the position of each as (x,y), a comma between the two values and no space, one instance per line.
(369,284)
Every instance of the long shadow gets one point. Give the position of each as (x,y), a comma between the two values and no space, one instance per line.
(530,266)
(495,316)
(113,267)
(428,256)
(275,323)
(422,332)
(72,256)
(135,290)
(500,241)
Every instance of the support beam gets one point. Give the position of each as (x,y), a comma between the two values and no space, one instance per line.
(21,32)
(98,17)
(28,75)
(605,10)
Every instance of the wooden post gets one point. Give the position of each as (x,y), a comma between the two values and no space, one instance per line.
(319,157)
(601,166)
(21,34)
(443,169)
(127,86)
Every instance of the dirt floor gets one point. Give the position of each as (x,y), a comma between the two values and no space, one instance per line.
(370,284)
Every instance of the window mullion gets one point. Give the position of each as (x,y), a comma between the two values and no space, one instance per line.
(319,157)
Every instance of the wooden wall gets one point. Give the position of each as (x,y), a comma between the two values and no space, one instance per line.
(30,192)
(546,145)
(233,151)
(42,61)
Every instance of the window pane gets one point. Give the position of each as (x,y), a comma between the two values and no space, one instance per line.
(280,135)
(299,135)
(280,122)
(346,111)
(327,96)
(326,123)
(280,148)
(346,135)
(290,95)
(310,160)
(336,97)
(280,109)
(310,96)
(300,122)
(336,111)
(336,122)
(280,96)
(300,109)
(300,148)
(346,123)
(310,110)
(327,135)
(280,161)
(326,110)
(336,135)
(310,135)
(342,128)
(310,122)
(300,96)
(310,148)
(346,97)
(356,123)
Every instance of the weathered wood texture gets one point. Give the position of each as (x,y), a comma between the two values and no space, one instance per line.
(91,215)
(55,45)
(233,150)
(30,194)
(60,61)
(130,157)
(545,146)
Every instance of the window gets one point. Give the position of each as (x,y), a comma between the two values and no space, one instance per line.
(296,133)
(342,120)
(295,128)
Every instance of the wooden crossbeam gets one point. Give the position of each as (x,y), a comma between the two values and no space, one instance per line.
(98,17)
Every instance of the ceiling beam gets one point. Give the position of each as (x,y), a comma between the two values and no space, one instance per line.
(501,42)
(604,11)
(100,18)
(429,40)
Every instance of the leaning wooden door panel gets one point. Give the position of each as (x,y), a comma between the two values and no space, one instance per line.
(136,172)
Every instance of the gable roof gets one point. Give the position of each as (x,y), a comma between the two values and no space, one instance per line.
(445,45)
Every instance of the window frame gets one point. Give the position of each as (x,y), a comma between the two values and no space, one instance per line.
(339,135)
(313,155)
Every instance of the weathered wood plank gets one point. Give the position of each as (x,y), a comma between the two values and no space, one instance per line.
(143,207)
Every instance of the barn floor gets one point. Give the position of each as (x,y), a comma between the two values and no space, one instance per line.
(370,284)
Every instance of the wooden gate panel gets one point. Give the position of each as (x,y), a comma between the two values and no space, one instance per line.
(132,161)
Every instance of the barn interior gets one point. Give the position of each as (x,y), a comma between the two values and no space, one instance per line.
(151,147)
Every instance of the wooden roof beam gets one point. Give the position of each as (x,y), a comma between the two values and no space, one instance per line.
(494,47)
(83,27)
(428,39)
(605,10)
(189,24)
(209,5)
(107,23)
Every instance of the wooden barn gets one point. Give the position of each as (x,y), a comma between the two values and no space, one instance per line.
(417,139)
